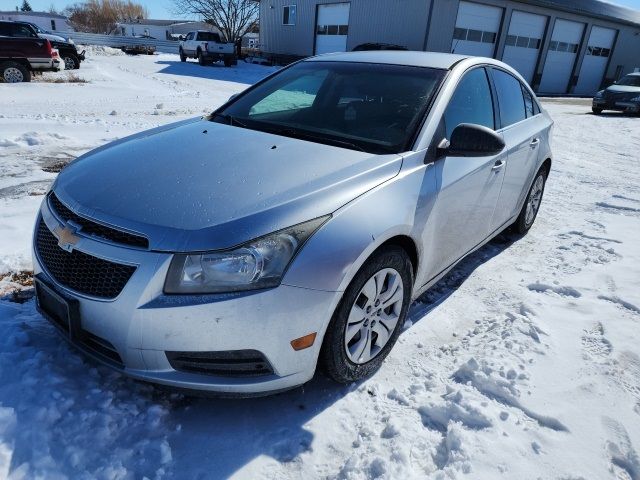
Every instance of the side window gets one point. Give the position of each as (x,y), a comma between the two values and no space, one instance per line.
(510,98)
(300,93)
(22,31)
(289,15)
(4,29)
(471,102)
(528,102)
(190,36)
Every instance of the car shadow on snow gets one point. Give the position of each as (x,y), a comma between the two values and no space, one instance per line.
(243,73)
(195,437)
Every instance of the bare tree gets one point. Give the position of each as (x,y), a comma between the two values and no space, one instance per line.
(101,16)
(231,17)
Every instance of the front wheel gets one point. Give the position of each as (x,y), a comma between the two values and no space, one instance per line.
(14,72)
(531,205)
(369,318)
(71,62)
(597,111)
(183,57)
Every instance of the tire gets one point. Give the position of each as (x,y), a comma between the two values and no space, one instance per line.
(201,59)
(597,111)
(228,61)
(71,62)
(14,72)
(534,199)
(183,57)
(340,357)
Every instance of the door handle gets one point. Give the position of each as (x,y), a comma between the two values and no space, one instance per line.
(498,165)
(534,143)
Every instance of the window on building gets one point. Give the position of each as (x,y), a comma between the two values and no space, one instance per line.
(289,15)
(53,24)
(510,99)
(471,35)
(470,103)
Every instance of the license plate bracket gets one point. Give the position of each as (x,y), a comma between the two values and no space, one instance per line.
(61,311)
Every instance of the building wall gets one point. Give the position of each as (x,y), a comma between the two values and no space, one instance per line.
(429,25)
(44,22)
(399,22)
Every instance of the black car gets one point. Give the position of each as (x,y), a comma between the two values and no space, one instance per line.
(623,96)
(68,51)
(378,46)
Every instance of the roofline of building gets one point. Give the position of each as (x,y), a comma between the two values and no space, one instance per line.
(32,14)
(592,8)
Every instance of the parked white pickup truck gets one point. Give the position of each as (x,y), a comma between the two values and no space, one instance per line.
(207,48)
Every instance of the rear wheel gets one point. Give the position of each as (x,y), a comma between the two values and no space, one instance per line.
(228,61)
(183,57)
(14,72)
(531,205)
(369,318)
(597,111)
(202,60)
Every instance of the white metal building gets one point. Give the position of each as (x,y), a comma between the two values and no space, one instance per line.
(559,46)
(52,22)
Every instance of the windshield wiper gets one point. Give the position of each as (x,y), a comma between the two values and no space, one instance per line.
(302,135)
(230,119)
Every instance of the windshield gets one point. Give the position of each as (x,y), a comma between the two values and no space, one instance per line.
(630,80)
(363,106)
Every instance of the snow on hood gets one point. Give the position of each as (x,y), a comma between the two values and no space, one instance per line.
(199,185)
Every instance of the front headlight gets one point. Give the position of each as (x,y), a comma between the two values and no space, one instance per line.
(600,94)
(260,263)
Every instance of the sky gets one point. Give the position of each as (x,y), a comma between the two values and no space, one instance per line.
(163,9)
(158,9)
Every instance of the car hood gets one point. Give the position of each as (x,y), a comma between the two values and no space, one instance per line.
(199,185)
(623,89)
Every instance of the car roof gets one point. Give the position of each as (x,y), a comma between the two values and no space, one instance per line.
(394,57)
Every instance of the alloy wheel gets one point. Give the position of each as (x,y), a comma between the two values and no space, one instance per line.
(534,200)
(374,316)
(69,63)
(13,75)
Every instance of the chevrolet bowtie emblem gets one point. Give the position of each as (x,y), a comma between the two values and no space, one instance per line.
(67,237)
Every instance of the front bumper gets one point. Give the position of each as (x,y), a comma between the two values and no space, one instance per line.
(618,105)
(142,324)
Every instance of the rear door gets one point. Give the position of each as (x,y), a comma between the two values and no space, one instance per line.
(468,186)
(521,127)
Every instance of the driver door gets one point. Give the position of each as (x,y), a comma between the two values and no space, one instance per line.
(468,187)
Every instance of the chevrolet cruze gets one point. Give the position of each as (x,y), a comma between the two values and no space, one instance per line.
(293,226)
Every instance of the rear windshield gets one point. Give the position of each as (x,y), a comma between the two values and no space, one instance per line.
(371,107)
(208,37)
(630,81)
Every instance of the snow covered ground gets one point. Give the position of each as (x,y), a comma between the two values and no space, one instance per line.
(524,363)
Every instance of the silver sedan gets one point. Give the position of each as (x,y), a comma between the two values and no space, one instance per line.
(294,225)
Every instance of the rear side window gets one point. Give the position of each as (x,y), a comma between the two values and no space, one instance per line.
(510,98)
(528,102)
(471,102)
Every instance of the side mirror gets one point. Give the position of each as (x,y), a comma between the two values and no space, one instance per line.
(233,96)
(471,140)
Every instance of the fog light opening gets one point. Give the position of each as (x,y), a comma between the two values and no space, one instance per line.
(304,342)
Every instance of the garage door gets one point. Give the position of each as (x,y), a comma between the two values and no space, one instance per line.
(476,29)
(332,28)
(561,57)
(595,60)
(523,43)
